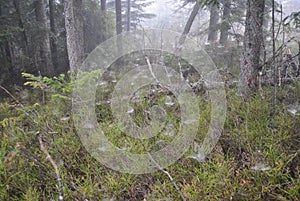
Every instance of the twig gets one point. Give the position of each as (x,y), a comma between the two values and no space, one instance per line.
(11,95)
(48,157)
(43,148)
(271,60)
(151,69)
(165,172)
(150,156)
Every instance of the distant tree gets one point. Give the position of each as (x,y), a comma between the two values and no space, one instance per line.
(189,23)
(103,5)
(225,26)
(135,12)
(214,17)
(95,25)
(253,37)
(128,15)
(118,7)
(104,18)
(213,24)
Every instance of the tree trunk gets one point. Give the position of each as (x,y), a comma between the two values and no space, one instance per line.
(213,24)
(53,33)
(252,45)
(74,30)
(298,59)
(103,10)
(103,5)
(128,21)
(119,25)
(225,23)
(189,23)
(44,60)
(21,23)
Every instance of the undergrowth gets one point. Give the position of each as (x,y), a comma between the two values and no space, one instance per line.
(254,133)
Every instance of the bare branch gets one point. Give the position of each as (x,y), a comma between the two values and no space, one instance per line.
(50,159)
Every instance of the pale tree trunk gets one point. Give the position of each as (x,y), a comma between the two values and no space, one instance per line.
(103,10)
(252,45)
(213,24)
(128,15)
(225,23)
(119,25)
(74,30)
(44,60)
(189,23)
(53,33)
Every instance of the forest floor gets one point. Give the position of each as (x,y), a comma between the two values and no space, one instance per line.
(256,158)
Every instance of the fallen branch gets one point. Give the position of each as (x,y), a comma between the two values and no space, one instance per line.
(150,156)
(50,159)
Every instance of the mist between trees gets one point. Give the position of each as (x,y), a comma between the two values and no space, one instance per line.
(255,46)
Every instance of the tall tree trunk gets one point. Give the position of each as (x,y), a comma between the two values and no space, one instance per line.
(119,25)
(104,14)
(74,30)
(128,21)
(225,23)
(44,62)
(298,74)
(213,23)
(252,45)
(103,5)
(21,23)
(12,59)
(189,23)
(53,33)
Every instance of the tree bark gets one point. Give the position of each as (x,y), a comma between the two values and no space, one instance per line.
(298,74)
(119,25)
(252,45)
(21,23)
(53,33)
(225,23)
(189,23)
(103,5)
(74,30)
(213,24)
(104,14)
(44,59)
(128,21)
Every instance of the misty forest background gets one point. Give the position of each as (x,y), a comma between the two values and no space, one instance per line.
(255,45)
